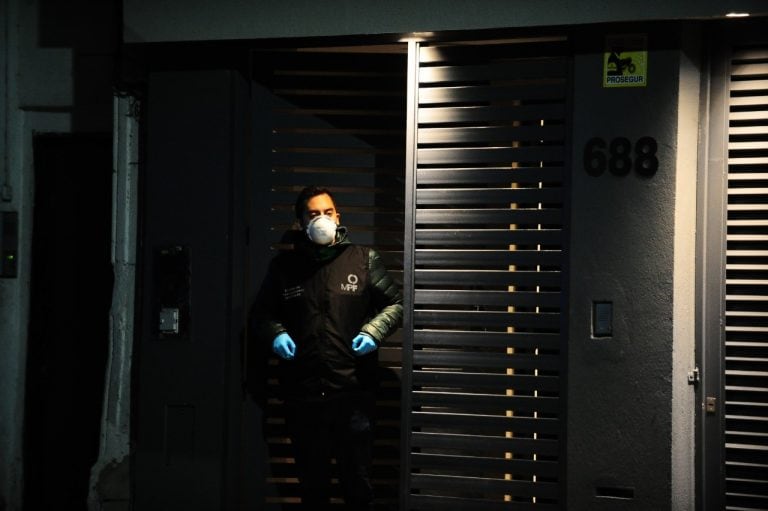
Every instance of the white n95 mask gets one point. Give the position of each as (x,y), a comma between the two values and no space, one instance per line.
(321,230)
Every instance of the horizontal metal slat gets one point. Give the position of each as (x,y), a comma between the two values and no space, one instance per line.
(510,48)
(511,466)
(745,466)
(747,237)
(747,314)
(546,68)
(738,177)
(743,70)
(736,161)
(476,259)
(455,277)
(759,191)
(480,443)
(486,134)
(489,486)
(474,298)
(489,114)
(474,156)
(488,319)
(480,339)
(749,53)
(486,196)
(744,484)
(498,424)
(749,447)
(426,502)
(745,345)
(745,101)
(756,223)
(755,115)
(486,238)
(750,374)
(475,361)
(489,176)
(758,391)
(480,381)
(742,423)
(486,216)
(731,254)
(485,402)
(485,93)
(747,130)
(489,239)
(750,360)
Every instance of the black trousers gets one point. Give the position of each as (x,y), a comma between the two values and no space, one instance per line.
(340,427)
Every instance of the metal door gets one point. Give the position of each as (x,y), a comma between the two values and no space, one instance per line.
(733,446)
(483,355)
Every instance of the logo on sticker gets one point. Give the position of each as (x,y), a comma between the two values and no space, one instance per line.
(625,61)
(351,285)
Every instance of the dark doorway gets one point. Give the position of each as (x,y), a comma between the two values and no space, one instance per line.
(69,317)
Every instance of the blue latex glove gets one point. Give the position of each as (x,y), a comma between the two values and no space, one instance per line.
(363,344)
(284,346)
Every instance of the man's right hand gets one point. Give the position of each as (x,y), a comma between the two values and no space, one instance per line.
(284,347)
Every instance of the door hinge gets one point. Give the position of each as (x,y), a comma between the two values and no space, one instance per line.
(693,376)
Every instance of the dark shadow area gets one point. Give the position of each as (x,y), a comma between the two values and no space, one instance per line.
(92,30)
(69,318)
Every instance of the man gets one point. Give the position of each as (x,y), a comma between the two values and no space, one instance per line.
(324,308)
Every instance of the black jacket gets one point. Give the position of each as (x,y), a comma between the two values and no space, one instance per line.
(323,297)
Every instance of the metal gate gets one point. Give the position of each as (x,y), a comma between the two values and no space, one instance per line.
(733,448)
(746,284)
(483,369)
(471,208)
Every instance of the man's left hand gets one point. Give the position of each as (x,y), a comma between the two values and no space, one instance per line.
(363,344)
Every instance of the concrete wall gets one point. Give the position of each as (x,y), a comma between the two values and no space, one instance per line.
(630,410)
(197,20)
(56,65)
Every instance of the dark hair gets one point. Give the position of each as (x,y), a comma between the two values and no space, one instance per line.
(306,194)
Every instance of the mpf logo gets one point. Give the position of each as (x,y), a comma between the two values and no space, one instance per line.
(351,285)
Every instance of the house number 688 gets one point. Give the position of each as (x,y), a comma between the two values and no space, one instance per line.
(618,157)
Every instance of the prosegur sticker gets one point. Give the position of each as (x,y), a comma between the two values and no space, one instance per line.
(625,61)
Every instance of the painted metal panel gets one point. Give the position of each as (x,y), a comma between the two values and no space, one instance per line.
(485,366)
(745,361)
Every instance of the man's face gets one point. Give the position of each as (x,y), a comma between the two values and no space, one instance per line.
(320,205)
